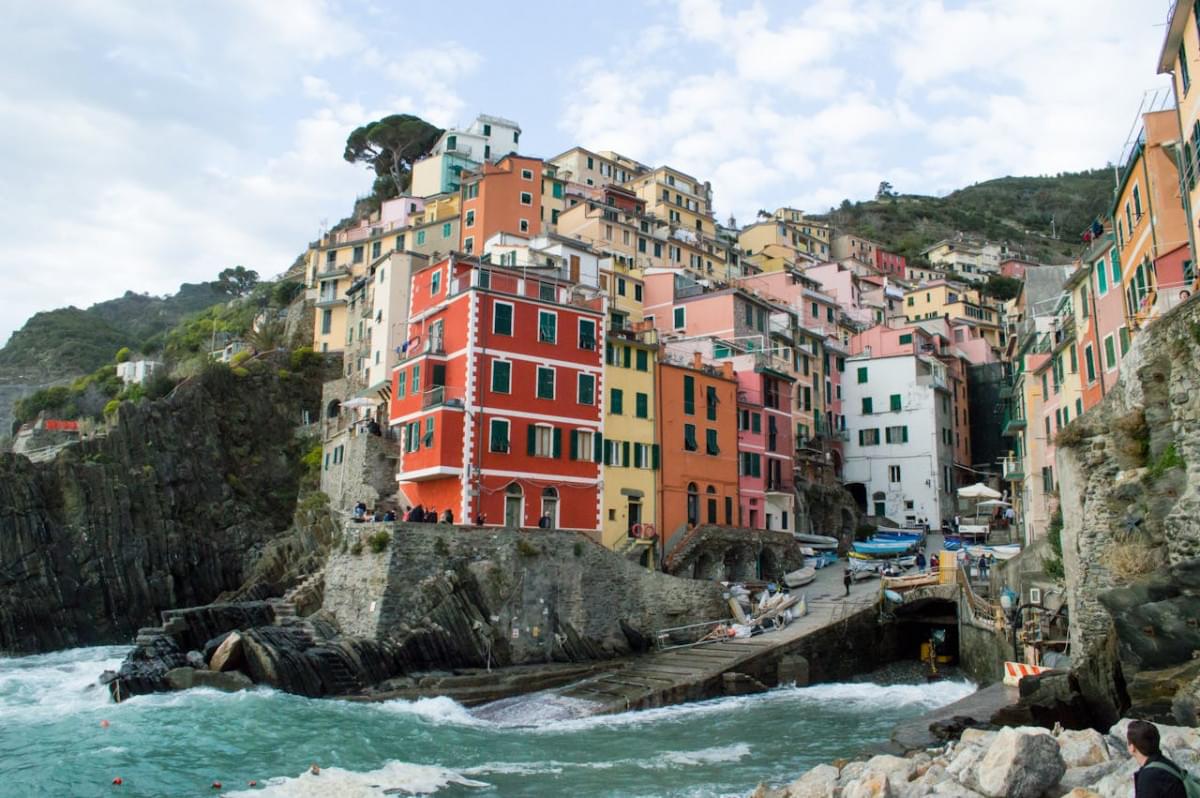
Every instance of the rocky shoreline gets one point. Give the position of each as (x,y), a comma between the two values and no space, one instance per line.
(1012,762)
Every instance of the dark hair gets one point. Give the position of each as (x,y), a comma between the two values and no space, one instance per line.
(1144,737)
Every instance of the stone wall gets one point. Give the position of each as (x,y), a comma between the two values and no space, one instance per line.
(1129,474)
(507,597)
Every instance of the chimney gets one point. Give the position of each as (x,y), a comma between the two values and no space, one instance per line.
(697,361)
(727,369)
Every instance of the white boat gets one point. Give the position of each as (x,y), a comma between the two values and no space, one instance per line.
(1005,551)
(816,541)
(800,577)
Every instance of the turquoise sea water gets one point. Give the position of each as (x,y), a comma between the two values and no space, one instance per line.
(178,744)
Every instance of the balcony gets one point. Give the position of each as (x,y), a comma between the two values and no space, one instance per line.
(440,396)
(332,272)
(1012,425)
(328,299)
(1014,469)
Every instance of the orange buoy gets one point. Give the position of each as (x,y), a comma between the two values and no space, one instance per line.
(253,783)
(117,781)
(103,724)
(216,785)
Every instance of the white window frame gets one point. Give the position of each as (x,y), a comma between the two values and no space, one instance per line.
(512,318)
(525,194)
(508,436)
(470,218)
(523,224)
(469,244)
(435,282)
(527,174)
(579,378)
(893,474)
(541,313)
(595,333)
(538,381)
(585,443)
(543,434)
(492,375)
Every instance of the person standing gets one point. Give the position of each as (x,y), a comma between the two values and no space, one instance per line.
(846,581)
(921,560)
(1158,777)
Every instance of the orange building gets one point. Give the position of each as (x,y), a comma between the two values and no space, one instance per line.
(504,197)
(697,435)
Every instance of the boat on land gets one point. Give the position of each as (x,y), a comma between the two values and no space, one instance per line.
(816,541)
(1003,551)
(800,577)
(899,532)
(883,548)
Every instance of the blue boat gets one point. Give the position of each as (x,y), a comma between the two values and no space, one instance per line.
(882,548)
(913,536)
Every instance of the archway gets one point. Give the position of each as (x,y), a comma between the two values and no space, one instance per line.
(705,566)
(768,565)
(514,509)
(859,491)
(550,506)
(693,504)
(335,407)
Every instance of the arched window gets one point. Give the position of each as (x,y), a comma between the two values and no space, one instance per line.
(514,505)
(550,507)
(335,407)
(693,504)
(711,494)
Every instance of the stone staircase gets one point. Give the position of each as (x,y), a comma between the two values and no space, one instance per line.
(285,612)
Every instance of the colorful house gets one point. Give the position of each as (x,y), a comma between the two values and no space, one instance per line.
(631,455)
(473,440)
(502,197)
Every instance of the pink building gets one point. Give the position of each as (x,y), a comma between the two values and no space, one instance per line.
(766,444)
(841,282)
(1016,267)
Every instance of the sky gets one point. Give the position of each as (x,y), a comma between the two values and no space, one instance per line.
(143,145)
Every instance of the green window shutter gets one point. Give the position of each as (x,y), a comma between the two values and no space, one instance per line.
(689,395)
(710,442)
(545,383)
(689,437)
(755,423)
(866,406)
(895,405)
(625,453)
(503,317)
(643,360)
(616,401)
(710,396)
(861,437)
(531,439)
(501,376)
(574,444)
(598,447)
(587,389)
(678,317)
(627,357)
(887,435)
(557,442)
(904,434)
(547,328)
(862,374)
(1090,362)
(906,338)
(1124,333)
(642,405)
(654,456)
(1110,353)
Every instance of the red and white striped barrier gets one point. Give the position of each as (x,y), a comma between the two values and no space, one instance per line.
(1016,671)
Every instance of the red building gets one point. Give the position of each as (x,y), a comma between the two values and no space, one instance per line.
(890,263)
(498,401)
(502,197)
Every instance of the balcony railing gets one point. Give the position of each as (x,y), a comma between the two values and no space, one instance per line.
(440,395)
(1014,469)
(528,286)
(1013,423)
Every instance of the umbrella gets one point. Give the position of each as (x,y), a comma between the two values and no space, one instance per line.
(359,401)
(978,491)
(994,503)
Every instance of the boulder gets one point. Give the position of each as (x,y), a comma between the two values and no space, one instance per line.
(871,785)
(227,681)
(966,758)
(1088,776)
(196,660)
(981,737)
(1082,748)
(181,678)
(228,655)
(890,766)
(851,772)
(1118,783)
(820,782)
(1082,792)
(952,789)
(1018,765)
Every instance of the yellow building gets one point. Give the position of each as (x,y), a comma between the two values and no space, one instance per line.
(941,298)
(436,231)
(631,464)
(590,168)
(774,245)
(1024,466)
(685,204)
(1180,57)
(819,231)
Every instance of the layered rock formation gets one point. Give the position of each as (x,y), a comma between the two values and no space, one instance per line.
(1129,475)
(171,508)
(433,598)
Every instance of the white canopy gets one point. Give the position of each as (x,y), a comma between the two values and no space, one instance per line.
(978,491)
(360,401)
(993,503)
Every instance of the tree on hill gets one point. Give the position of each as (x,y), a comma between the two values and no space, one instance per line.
(389,146)
(885,191)
(237,280)
(1000,287)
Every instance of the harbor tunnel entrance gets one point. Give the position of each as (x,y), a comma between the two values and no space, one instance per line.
(928,628)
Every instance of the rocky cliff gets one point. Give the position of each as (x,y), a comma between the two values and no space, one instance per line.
(1129,476)
(171,508)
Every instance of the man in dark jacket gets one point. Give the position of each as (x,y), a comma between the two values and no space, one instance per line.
(1158,777)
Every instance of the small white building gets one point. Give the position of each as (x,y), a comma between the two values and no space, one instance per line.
(378,325)
(900,418)
(136,372)
(568,258)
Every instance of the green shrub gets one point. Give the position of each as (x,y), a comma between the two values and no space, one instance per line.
(305,358)
(240,358)
(1170,458)
(238,371)
(314,501)
(356,549)
(527,549)
(1053,568)
(110,409)
(379,541)
(122,355)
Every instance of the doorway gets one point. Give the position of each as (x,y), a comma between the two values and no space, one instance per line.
(633,509)
(550,506)
(513,500)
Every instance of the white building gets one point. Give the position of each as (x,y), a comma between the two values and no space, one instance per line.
(488,138)
(568,258)
(899,413)
(136,372)
(379,318)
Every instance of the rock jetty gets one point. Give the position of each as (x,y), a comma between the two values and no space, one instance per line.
(1012,762)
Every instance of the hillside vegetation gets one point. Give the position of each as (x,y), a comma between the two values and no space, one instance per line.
(1016,210)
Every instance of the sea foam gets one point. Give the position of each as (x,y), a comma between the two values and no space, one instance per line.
(394,778)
